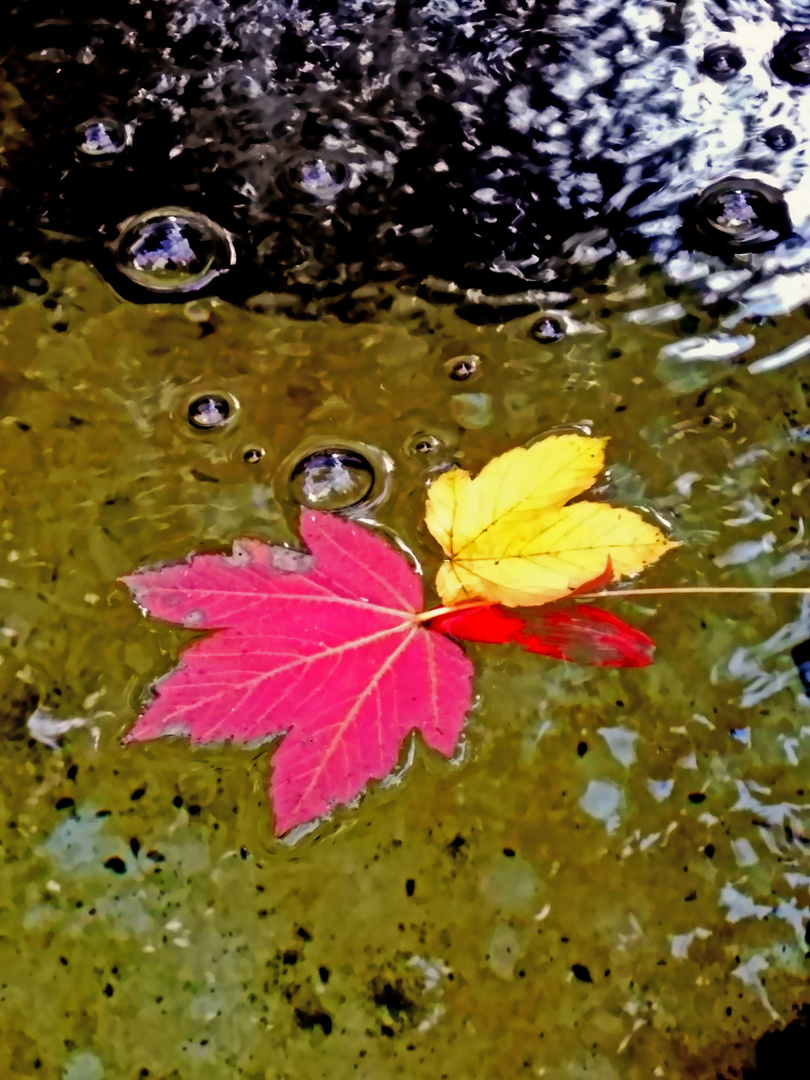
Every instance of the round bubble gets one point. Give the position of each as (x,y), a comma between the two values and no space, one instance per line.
(461,368)
(779,138)
(172,250)
(253,454)
(422,444)
(741,215)
(321,179)
(722,62)
(547,330)
(209,411)
(332,479)
(791,58)
(101,138)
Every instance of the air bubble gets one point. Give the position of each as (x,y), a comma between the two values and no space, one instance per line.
(253,454)
(779,138)
(209,412)
(461,368)
(722,62)
(422,444)
(791,58)
(332,479)
(741,215)
(171,250)
(321,179)
(101,138)
(547,330)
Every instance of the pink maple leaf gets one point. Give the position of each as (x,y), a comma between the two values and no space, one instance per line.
(323,648)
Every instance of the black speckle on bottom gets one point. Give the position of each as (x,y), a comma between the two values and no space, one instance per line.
(391,996)
(581,973)
(309,1020)
(456,844)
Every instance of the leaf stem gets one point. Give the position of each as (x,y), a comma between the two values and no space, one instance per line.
(618,594)
(695,589)
(425,616)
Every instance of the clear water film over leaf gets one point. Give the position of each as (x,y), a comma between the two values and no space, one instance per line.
(323,649)
(510,538)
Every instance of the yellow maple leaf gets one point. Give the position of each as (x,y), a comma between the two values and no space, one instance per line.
(511,539)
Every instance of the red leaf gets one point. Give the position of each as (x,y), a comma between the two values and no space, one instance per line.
(601,581)
(579,633)
(321,647)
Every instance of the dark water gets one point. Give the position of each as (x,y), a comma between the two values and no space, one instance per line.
(611,879)
(506,145)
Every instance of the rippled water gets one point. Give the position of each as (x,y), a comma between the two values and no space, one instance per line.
(613,874)
(611,879)
(506,145)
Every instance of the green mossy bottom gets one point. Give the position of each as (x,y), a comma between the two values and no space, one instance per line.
(611,880)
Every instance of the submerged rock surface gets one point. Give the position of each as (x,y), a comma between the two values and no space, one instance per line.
(612,879)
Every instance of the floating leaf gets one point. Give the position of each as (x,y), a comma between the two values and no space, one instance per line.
(324,648)
(512,487)
(331,650)
(511,539)
(579,633)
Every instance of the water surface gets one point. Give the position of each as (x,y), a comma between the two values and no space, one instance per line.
(610,881)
